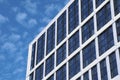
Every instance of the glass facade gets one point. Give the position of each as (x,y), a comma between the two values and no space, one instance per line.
(31,76)
(118,29)
(105,40)
(49,64)
(86,76)
(94,73)
(73,19)
(113,65)
(40,48)
(61,54)
(103,70)
(74,65)
(103,16)
(61,27)
(39,73)
(89,54)
(98,2)
(50,38)
(51,77)
(61,73)
(117,6)
(87,30)
(86,8)
(73,42)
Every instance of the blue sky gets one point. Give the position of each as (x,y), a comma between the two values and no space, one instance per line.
(20,22)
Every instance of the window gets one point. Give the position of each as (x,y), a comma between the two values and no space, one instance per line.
(103,16)
(74,42)
(86,8)
(87,30)
(61,27)
(94,73)
(117,6)
(33,55)
(113,65)
(49,64)
(31,76)
(51,77)
(61,54)
(50,38)
(74,65)
(98,2)
(73,16)
(89,54)
(118,29)
(39,73)
(86,76)
(105,40)
(61,73)
(103,70)
(78,78)
(40,48)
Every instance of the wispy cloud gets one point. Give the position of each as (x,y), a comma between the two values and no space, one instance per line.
(21,17)
(2,57)
(14,37)
(46,19)
(3,19)
(18,70)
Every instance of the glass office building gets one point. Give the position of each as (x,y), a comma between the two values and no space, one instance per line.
(81,43)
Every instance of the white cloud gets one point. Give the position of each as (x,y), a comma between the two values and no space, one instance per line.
(21,17)
(32,22)
(46,19)
(14,37)
(3,19)
(2,57)
(19,70)
(19,58)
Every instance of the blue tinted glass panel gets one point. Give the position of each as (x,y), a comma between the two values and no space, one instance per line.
(105,40)
(73,16)
(117,6)
(99,2)
(86,8)
(74,65)
(40,48)
(118,29)
(87,30)
(39,73)
(31,76)
(103,16)
(51,77)
(61,54)
(89,54)
(86,76)
(50,38)
(94,73)
(73,42)
(61,27)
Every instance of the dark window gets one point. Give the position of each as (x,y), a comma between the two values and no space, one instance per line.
(61,27)
(94,73)
(39,73)
(31,76)
(61,53)
(86,8)
(33,55)
(49,64)
(50,38)
(86,76)
(89,54)
(105,40)
(98,2)
(61,73)
(73,16)
(103,16)
(78,78)
(74,42)
(40,48)
(74,65)
(113,65)
(51,77)
(118,29)
(103,70)
(87,30)
(117,6)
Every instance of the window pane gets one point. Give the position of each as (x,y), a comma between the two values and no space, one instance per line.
(49,64)
(50,38)
(98,2)
(103,16)
(118,29)
(117,6)
(113,65)
(61,73)
(73,16)
(61,27)
(51,77)
(94,73)
(61,53)
(89,54)
(103,70)
(86,76)
(33,55)
(87,30)
(40,48)
(78,78)
(39,73)
(105,40)
(74,42)
(31,76)
(86,8)
(74,65)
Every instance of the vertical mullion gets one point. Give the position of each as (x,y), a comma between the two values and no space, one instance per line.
(108,68)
